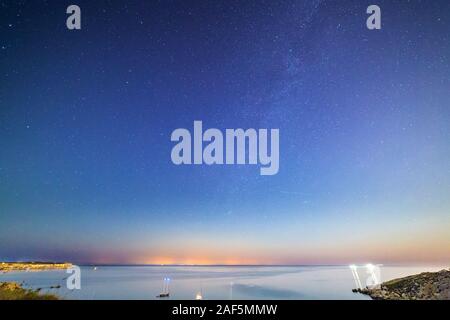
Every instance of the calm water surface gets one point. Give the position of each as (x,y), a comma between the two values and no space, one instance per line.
(215,282)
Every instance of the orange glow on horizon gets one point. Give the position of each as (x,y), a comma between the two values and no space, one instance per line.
(200,261)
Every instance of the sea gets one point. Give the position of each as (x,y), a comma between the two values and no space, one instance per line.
(210,282)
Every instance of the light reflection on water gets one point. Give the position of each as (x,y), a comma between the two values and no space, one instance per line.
(215,282)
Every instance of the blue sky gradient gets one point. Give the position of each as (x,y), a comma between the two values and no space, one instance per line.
(86,118)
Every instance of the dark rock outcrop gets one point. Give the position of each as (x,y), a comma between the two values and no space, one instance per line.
(423,286)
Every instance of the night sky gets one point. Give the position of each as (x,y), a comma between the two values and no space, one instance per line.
(86,118)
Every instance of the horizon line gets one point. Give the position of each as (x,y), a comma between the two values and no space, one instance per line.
(226,265)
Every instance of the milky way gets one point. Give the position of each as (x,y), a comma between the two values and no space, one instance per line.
(86,117)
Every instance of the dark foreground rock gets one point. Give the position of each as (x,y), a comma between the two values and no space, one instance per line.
(424,286)
(14,291)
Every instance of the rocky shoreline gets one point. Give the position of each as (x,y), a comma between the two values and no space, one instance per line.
(32,266)
(14,291)
(423,286)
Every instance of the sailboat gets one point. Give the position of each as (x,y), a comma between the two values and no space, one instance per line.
(165,292)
